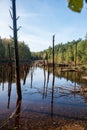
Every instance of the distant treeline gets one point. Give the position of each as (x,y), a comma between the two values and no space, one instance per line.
(7,50)
(74,52)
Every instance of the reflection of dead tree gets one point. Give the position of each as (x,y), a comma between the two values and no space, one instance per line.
(9,84)
(75,83)
(3,77)
(44,88)
(52,97)
(25,68)
(17,114)
(48,76)
(47,81)
(32,71)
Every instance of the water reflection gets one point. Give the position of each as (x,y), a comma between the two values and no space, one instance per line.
(26,71)
(3,77)
(45,93)
(32,71)
(17,114)
(52,97)
(9,84)
(44,87)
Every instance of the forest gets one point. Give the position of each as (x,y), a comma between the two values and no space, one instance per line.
(73,52)
(7,50)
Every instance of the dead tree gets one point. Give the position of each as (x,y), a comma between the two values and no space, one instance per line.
(14,19)
(53,53)
(76,54)
(52,96)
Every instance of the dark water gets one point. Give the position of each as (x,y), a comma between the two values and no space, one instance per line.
(40,95)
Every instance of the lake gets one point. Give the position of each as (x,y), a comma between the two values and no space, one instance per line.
(42,93)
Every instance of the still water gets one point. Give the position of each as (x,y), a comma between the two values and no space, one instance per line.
(40,95)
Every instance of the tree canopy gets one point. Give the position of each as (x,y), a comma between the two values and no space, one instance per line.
(7,45)
(68,53)
(76,5)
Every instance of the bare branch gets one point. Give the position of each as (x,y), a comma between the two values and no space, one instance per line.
(11,8)
(10,14)
(11,37)
(19,28)
(17,17)
(11,28)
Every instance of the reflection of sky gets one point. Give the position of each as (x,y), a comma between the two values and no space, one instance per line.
(64,83)
(4,110)
(4,90)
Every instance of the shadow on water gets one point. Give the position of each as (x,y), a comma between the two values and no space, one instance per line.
(45,91)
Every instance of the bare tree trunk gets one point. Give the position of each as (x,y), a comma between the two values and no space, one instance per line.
(53,53)
(16,49)
(52,96)
(75,54)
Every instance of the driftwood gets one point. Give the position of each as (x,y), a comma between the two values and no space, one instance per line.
(80,90)
(68,70)
(84,77)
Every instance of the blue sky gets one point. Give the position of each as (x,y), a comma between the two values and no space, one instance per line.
(40,19)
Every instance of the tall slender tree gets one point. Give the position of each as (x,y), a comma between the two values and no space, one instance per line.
(14,18)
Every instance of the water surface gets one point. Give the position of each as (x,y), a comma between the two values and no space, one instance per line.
(40,95)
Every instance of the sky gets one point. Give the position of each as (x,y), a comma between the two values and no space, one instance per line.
(41,19)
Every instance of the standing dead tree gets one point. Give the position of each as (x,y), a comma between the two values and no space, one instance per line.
(15,30)
(53,54)
(76,53)
(52,96)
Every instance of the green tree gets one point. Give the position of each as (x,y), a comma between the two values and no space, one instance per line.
(24,51)
(2,49)
(76,5)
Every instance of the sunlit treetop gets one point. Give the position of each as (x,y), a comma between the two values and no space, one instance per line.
(76,5)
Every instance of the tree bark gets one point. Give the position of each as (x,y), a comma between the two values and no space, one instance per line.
(16,50)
